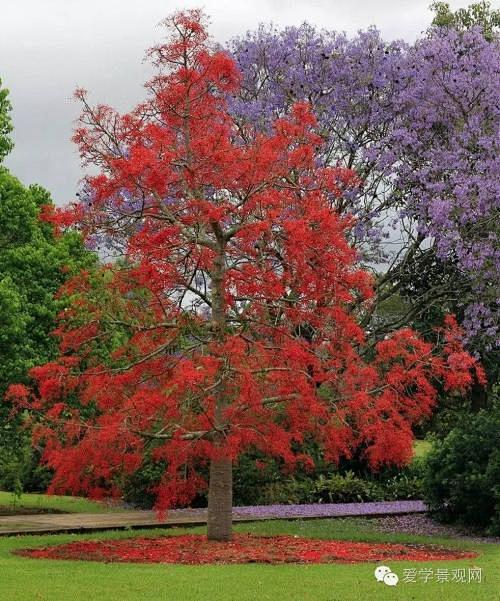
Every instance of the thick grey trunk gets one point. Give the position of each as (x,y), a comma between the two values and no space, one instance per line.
(220,500)
(220,489)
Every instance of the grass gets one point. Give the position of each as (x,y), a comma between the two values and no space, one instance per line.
(25,579)
(43,502)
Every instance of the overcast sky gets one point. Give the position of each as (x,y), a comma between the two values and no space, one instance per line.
(49,47)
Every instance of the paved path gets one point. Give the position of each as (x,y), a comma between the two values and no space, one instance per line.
(83,522)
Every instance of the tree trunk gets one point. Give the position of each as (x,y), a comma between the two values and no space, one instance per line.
(220,488)
(478,397)
(220,500)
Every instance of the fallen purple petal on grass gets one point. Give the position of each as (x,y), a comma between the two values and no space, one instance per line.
(331,509)
(424,525)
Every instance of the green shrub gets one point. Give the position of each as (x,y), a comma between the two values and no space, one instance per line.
(345,488)
(139,487)
(406,484)
(462,473)
(20,469)
(249,480)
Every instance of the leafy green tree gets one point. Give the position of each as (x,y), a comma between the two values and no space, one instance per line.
(34,262)
(5,123)
(478,14)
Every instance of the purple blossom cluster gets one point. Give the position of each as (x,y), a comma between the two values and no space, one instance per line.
(449,112)
(419,123)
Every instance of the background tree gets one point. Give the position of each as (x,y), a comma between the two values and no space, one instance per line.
(5,123)
(236,291)
(33,265)
(478,14)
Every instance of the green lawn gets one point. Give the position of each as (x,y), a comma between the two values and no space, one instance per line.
(43,580)
(54,502)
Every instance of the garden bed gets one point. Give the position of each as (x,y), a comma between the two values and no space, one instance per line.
(244,548)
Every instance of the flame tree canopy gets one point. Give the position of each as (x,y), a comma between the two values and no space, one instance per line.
(230,321)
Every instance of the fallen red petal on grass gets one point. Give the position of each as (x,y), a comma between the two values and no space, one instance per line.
(244,548)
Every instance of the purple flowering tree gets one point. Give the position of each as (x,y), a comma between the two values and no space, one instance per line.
(450,115)
(420,124)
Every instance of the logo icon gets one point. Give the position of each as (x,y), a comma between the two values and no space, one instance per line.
(386,575)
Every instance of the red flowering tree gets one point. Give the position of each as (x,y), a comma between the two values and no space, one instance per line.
(230,321)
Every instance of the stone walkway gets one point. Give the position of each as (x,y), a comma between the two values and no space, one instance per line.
(84,522)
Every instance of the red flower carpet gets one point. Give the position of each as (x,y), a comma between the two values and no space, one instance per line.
(244,548)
